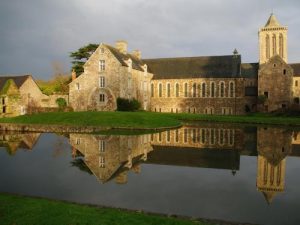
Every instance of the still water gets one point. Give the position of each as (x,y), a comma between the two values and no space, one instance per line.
(218,171)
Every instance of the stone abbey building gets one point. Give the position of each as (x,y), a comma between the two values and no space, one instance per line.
(209,85)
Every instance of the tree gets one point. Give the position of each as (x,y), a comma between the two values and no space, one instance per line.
(81,56)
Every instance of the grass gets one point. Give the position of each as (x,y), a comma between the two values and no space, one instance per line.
(142,120)
(25,210)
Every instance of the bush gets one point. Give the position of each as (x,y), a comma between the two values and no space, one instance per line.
(61,102)
(124,104)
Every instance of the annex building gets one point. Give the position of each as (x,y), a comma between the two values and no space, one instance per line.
(205,84)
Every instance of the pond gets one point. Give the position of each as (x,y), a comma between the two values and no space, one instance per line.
(217,171)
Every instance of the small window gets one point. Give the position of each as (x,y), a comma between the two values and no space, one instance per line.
(274,65)
(266,94)
(102,97)
(77,86)
(102,82)
(102,162)
(296,83)
(101,65)
(102,50)
(283,106)
(284,72)
(185,90)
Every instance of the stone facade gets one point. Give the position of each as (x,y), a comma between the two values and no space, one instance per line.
(205,85)
(108,74)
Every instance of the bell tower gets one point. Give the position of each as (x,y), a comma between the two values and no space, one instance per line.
(272,40)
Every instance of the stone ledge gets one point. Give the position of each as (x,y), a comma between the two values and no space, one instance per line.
(53,128)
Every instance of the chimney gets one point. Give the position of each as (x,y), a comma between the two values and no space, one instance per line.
(122,46)
(137,54)
(73,75)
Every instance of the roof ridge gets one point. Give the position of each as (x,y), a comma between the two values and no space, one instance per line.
(191,57)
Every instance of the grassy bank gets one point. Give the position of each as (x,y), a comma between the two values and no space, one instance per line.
(24,210)
(109,119)
(144,119)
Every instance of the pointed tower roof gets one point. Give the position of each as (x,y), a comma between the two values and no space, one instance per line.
(272,21)
(269,196)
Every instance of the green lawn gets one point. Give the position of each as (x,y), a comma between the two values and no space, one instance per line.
(24,210)
(143,119)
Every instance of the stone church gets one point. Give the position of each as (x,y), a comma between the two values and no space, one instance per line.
(204,85)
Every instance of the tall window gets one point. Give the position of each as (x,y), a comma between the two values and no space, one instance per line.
(102,146)
(281,45)
(194,90)
(267,47)
(212,89)
(77,86)
(102,82)
(102,97)
(231,89)
(274,44)
(222,89)
(101,65)
(176,136)
(203,90)
(152,90)
(159,90)
(185,136)
(169,90)
(185,90)
(177,90)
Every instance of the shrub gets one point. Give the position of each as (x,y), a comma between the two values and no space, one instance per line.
(261,99)
(124,104)
(61,102)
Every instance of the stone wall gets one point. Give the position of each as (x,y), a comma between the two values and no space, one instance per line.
(196,100)
(275,81)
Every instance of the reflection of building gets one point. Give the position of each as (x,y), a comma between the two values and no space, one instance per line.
(273,145)
(14,141)
(110,157)
(209,146)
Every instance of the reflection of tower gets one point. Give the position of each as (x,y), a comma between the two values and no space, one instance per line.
(273,145)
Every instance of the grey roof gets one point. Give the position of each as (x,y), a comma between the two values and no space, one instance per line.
(249,70)
(296,68)
(195,67)
(136,63)
(19,80)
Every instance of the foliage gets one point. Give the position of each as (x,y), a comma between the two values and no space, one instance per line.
(80,56)
(61,102)
(124,104)
(24,210)
(261,99)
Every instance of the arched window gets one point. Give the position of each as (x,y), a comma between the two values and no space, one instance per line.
(231,89)
(177,90)
(222,89)
(160,90)
(274,44)
(152,90)
(185,90)
(194,90)
(168,89)
(281,45)
(267,47)
(212,89)
(203,89)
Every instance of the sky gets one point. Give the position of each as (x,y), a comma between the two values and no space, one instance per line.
(37,34)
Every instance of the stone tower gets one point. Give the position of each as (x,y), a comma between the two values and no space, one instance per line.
(272,40)
(271,161)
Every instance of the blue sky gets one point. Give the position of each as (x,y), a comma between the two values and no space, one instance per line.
(35,34)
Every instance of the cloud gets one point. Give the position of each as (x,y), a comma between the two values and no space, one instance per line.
(36,33)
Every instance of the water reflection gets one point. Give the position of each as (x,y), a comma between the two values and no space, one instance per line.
(112,157)
(209,146)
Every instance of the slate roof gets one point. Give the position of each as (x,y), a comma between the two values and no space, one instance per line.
(136,63)
(195,67)
(19,80)
(296,68)
(249,70)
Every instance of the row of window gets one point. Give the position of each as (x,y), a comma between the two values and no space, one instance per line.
(197,90)
(206,110)
(203,136)
(274,46)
